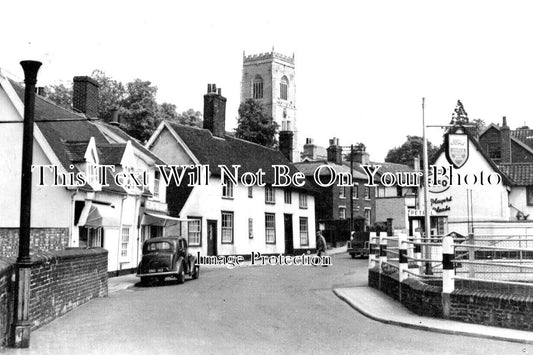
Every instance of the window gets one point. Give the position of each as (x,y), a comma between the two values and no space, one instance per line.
(342,192)
(355,192)
(227,189)
(250,191)
(194,227)
(288,196)
(227,227)
(269,195)
(283,88)
(495,152)
(124,241)
(92,174)
(257,87)
(303,200)
(368,215)
(367,193)
(529,191)
(270,228)
(157,177)
(342,212)
(91,237)
(250,228)
(304,231)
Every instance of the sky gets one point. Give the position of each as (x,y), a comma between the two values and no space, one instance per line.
(362,67)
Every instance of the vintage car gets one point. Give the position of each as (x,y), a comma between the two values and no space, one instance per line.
(166,256)
(358,246)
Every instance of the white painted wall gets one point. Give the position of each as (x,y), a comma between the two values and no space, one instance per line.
(207,202)
(490,202)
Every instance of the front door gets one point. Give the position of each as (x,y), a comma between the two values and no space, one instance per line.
(211,237)
(289,246)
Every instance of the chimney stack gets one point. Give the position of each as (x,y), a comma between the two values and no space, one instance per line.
(115,119)
(285,144)
(505,139)
(334,151)
(85,96)
(215,111)
(361,156)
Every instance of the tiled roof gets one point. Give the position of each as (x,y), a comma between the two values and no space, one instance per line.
(392,167)
(214,151)
(524,135)
(76,151)
(308,168)
(45,109)
(111,154)
(119,132)
(520,174)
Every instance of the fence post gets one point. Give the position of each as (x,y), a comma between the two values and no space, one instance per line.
(448,282)
(471,256)
(402,263)
(371,247)
(418,251)
(382,251)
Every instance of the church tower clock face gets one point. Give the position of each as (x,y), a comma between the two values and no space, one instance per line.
(270,78)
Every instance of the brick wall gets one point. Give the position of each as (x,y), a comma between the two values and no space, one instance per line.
(7,292)
(64,280)
(41,239)
(500,309)
(60,282)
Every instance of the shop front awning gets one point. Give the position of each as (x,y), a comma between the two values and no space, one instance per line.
(102,216)
(159,219)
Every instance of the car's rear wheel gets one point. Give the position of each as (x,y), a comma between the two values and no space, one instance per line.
(196,272)
(181,274)
(353,256)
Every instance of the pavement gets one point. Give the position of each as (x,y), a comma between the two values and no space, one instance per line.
(380,307)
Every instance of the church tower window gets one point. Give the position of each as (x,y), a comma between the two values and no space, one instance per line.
(257,87)
(283,88)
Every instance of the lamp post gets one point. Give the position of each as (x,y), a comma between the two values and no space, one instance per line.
(22,323)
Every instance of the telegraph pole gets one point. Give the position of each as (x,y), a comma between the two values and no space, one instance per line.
(427,220)
(23,323)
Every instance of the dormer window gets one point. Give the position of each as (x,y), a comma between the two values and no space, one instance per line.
(257,87)
(227,189)
(92,174)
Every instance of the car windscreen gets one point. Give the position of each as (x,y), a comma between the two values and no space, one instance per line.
(154,246)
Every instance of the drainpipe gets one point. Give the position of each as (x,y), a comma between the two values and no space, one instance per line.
(72,213)
(120,232)
(22,306)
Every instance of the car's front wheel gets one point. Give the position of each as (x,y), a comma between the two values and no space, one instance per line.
(181,274)
(196,272)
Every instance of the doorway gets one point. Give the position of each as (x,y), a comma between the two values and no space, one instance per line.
(289,245)
(211,237)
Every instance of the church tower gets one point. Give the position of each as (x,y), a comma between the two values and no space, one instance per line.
(270,78)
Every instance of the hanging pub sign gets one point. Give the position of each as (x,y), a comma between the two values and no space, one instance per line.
(457,149)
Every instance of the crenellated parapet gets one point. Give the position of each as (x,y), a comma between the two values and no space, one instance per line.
(266,56)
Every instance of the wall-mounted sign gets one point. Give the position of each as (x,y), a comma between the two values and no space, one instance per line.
(417,213)
(457,149)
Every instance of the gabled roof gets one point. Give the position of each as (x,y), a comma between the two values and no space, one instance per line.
(524,135)
(125,137)
(520,174)
(480,150)
(45,109)
(214,151)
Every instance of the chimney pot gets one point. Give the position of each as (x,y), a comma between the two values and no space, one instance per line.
(220,91)
(115,119)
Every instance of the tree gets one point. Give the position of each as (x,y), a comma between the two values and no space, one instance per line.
(140,109)
(111,93)
(406,153)
(60,94)
(255,125)
(191,118)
